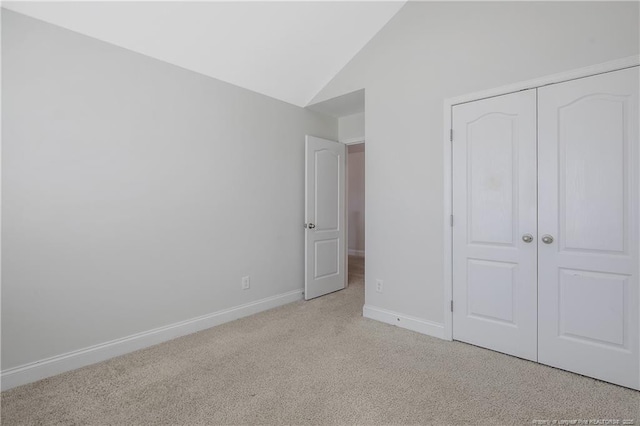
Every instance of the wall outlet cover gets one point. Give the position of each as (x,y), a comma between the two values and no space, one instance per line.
(246,283)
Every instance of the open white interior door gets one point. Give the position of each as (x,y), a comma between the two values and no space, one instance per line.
(325,213)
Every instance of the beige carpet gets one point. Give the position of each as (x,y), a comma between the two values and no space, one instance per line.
(316,362)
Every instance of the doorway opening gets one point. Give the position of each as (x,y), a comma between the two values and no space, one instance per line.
(349,109)
(355,213)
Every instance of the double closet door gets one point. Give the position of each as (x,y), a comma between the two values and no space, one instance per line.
(546,204)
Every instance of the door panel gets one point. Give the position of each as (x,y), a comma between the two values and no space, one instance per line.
(581,318)
(490,290)
(594,174)
(325,211)
(588,202)
(327,189)
(326,260)
(494,204)
(490,156)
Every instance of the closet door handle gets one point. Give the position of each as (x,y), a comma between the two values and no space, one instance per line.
(527,238)
(547,239)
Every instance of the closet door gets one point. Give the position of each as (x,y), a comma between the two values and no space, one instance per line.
(494,232)
(588,230)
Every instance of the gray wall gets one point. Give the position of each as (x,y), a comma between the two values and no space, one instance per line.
(135,193)
(435,50)
(351,127)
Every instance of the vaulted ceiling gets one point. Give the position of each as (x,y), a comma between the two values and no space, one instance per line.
(286,50)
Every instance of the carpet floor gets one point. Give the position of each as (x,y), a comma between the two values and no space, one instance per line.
(316,362)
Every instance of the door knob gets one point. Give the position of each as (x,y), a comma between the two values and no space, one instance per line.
(309,225)
(547,239)
(527,238)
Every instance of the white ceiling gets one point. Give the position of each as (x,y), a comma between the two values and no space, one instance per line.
(286,50)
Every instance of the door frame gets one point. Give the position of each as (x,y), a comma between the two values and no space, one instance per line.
(449,103)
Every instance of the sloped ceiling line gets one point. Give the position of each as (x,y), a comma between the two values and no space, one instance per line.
(285,50)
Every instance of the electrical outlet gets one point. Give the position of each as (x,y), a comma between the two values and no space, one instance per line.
(246,283)
(379,286)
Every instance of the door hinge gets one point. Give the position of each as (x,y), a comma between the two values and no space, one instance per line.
(452,306)
(451,220)
(450,135)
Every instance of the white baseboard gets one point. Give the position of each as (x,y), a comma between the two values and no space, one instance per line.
(38,370)
(404,321)
(353,252)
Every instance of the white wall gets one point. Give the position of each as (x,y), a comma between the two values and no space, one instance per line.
(135,193)
(351,127)
(431,51)
(355,188)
